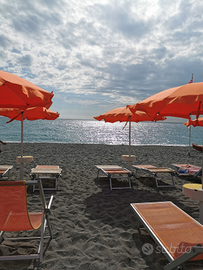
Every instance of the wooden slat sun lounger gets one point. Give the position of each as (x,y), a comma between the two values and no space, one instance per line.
(46,172)
(178,236)
(157,172)
(115,172)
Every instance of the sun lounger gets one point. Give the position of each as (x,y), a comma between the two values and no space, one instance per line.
(4,170)
(47,173)
(115,172)
(15,217)
(157,172)
(188,169)
(178,236)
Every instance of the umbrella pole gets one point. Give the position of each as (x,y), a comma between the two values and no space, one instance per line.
(202,173)
(129,158)
(189,140)
(21,163)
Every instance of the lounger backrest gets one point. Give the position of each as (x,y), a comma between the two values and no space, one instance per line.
(14,214)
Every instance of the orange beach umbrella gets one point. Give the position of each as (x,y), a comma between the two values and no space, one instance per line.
(181,101)
(124,114)
(31,114)
(15,92)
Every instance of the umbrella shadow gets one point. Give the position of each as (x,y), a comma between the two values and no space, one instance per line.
(113,212)
(113,207)
(150,182)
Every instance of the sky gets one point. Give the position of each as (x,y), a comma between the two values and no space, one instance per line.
(97,55)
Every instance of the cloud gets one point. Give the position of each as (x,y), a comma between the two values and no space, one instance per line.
(99,54)
(25,60)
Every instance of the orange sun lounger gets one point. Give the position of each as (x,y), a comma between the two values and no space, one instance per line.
(15,217)
(157,172)
(115,172)
(178,236)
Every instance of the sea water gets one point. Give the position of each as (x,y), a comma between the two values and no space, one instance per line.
(95,132)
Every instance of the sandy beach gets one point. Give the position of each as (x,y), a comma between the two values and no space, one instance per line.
(94,228)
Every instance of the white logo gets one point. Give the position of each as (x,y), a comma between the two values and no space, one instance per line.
(147,249)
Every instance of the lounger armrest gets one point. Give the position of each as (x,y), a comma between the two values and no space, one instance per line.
(188,255)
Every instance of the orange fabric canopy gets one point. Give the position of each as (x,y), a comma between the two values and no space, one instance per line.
(16,92)
(181,101)
(195,123)
(124,114)
(29,114)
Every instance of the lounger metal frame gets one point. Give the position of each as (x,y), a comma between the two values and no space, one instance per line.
(173,263)
(115,176)
(7,169)
(38,257)
(158,174)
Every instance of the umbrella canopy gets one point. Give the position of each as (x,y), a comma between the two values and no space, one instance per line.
(124,114)
(195,123)
(181,101)
(16,92)
(34,113)
(31,114)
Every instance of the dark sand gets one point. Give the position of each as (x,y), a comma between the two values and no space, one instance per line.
(95,228)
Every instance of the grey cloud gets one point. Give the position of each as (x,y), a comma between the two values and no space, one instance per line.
(143,80)
(29,17)
(25,61)
(27,24)
(187,18)
(4,41)
(159,53)
(120,19)
(104,49)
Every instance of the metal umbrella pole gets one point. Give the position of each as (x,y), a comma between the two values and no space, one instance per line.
(21,163)
(189,140)
(129,160)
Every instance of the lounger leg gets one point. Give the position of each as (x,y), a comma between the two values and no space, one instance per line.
(172,180)
(155,175)
(129,179)
(138,225)
(98,174)
(110,180)
(184,258)
(40,250)
(48,222)
(157,185)
(1,236)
